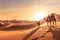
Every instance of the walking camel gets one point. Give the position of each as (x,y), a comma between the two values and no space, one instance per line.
(51,20)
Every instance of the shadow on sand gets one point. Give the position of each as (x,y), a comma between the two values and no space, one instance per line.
(30,34)
(55,32)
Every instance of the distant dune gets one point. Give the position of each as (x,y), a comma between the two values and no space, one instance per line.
(19,26)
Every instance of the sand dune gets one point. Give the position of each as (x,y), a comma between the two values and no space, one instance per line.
(18,26)
(19,32)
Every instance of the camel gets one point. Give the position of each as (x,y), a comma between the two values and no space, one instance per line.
(50,20)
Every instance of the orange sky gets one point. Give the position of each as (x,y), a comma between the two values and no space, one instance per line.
(27,9)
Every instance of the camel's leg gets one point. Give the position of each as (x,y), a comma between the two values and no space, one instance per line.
(53,23)
(47,24)
(50,24)
(38,26)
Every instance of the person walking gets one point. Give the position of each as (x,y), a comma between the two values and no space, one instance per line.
(38,23)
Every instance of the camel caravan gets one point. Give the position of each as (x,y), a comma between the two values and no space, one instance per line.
(50,20)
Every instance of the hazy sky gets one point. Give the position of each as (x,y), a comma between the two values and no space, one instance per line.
(26,9)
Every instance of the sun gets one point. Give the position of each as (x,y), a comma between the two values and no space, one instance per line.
(39,15)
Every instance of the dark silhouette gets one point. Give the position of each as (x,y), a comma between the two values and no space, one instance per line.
(51,18)
(38,23)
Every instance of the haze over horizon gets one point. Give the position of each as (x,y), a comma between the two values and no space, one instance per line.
(27,9)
